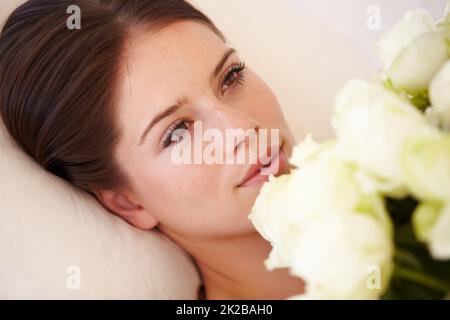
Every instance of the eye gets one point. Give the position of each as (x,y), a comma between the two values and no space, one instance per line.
(234,76)
(175,133)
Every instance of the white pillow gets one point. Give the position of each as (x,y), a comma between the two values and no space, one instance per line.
(48,228)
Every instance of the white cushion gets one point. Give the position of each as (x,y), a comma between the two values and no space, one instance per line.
(48,228)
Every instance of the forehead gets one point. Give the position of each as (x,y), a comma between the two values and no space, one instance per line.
(182,47)
(158,67)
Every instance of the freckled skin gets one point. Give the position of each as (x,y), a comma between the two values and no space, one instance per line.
(197,205)
(191,200)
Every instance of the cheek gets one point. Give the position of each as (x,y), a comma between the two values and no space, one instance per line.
(194,200)
(168,189)
(267,109)
(262,101)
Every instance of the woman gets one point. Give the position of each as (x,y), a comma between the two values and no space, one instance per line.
(101,106)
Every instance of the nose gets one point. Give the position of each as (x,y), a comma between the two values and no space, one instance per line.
(244,139)
(237,126)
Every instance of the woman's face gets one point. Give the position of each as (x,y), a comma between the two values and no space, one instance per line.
(191,200)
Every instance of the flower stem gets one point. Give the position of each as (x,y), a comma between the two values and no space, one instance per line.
(420,278)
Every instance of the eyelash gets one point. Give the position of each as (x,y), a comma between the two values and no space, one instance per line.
(239,69)
(167,138)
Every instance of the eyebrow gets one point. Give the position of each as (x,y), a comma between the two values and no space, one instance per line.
(222,62)
(183,101)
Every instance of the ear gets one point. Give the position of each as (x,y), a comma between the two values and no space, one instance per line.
(122,205)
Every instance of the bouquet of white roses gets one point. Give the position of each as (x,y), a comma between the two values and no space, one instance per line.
(367,215)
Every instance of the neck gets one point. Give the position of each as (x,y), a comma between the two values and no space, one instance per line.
(234,269)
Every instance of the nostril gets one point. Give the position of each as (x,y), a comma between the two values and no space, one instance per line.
(238,145)
(245,138)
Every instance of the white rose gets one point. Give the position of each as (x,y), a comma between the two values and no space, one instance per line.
(413,24)
(447,12)
(431,223)
(426,164)
(415,66)
(303,152)
(270,215)
(444,27)
(372,124)
(439,93)
(274,210)
(336,253)
(324,228)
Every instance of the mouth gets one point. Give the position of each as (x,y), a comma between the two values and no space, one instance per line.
(259,173)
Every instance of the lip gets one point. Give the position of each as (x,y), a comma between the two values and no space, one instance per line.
(257,174)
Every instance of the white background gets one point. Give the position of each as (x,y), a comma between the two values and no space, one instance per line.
(349,17)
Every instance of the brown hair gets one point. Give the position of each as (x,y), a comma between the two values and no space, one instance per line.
(57,86)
